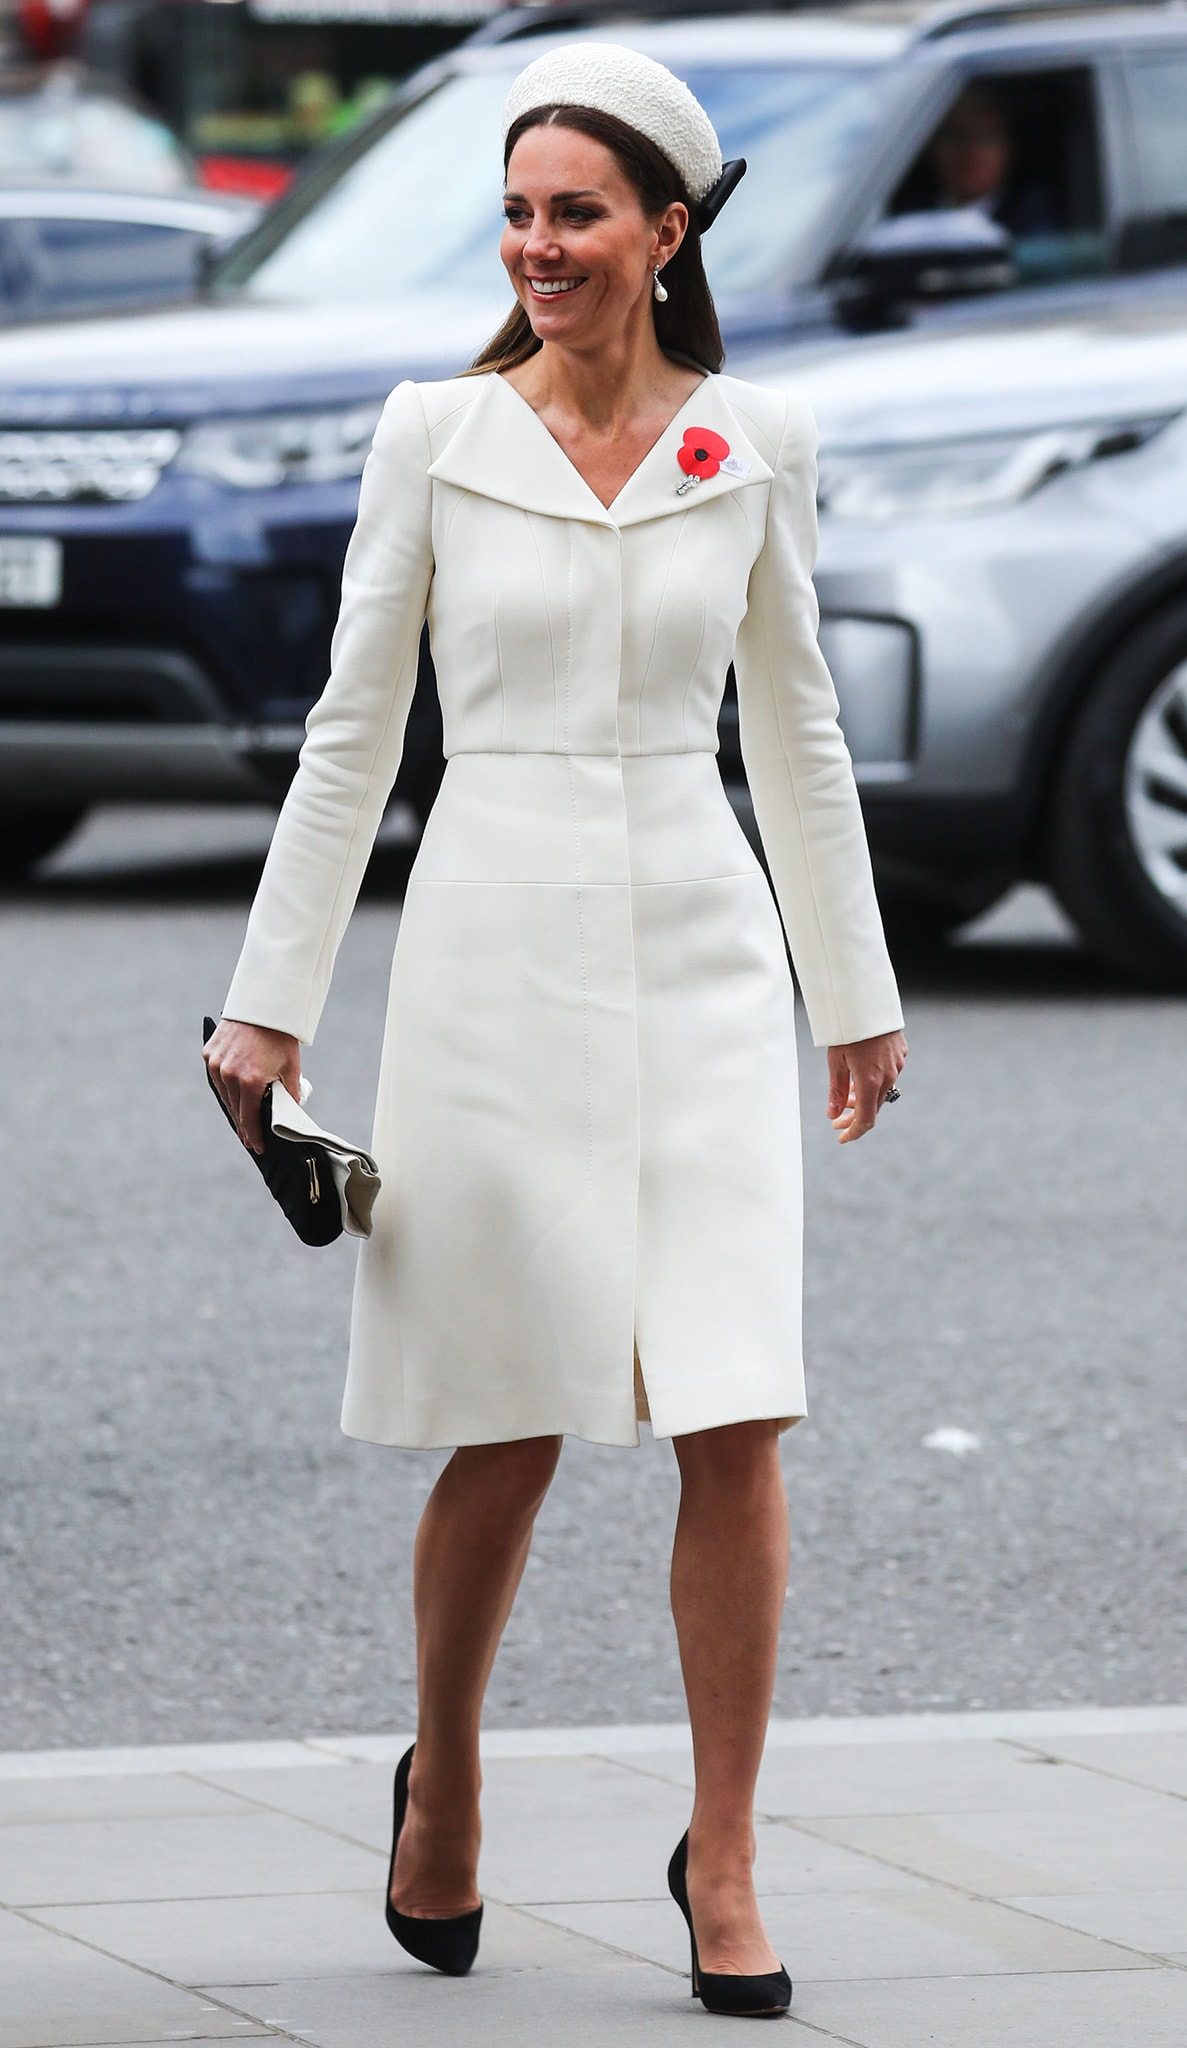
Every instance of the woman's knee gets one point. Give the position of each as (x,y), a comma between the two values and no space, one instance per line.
(513,1477)
(739,1455)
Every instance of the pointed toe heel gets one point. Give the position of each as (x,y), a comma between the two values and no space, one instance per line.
(764,1997)
(446,1945)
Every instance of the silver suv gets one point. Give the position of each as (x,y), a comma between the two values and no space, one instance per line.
(1003,585)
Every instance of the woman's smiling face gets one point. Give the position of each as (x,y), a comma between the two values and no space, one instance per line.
(577,246)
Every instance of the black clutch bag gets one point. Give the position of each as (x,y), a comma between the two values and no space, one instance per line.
(323,1185)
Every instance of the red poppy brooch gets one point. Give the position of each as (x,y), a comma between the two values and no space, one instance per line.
(701,454)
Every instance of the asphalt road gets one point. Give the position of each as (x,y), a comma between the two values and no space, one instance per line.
(191,1550)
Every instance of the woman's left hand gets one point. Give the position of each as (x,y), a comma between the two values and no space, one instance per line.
(860,1076)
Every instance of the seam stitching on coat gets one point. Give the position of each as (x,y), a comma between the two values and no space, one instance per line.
(501,668)
(582,970)
(759,430)
(568,652)
(454,509)
(530,518)
(690,680)
(418,881)
(462,399)
(656,617)
(579,754)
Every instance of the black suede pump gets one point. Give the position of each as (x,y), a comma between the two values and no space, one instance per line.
(755,1998)
(446,1945)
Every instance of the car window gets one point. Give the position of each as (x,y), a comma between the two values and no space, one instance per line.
(1158,97)
(1022,148)
(420,210)
(13,272)
(76,263)
(63,134)
(799,132)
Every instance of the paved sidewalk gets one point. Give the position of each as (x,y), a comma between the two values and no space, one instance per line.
(971,1881)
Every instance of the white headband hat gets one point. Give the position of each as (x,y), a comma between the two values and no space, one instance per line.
(644,94)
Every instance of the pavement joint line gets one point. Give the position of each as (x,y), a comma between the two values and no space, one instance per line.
(802,1825)
(1155,1957)
(1078,1763)
(215,2003)
(611,1947)
(332,1891)
(637,1770)
(825,2033)
(614,1742)
(536,1906)
(253,1800)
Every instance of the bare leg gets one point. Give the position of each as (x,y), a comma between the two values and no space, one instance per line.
(471,1548)
(729,1580)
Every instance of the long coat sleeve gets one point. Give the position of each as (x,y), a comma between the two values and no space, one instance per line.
(587,1121)
(799,770)
(355,736)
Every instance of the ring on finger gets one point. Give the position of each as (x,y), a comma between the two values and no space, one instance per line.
(892,1094)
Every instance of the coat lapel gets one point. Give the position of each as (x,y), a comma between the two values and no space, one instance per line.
(501,449)
(653,492)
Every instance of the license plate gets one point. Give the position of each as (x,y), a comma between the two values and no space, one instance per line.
(30,572)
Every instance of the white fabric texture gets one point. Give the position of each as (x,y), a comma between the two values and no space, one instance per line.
(640,91)
(587,1122)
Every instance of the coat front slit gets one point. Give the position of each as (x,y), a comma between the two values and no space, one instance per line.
(587,1120)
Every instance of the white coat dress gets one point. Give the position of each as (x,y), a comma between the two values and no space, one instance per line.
(587,1122)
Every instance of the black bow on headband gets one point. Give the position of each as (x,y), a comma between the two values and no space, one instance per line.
(732,175)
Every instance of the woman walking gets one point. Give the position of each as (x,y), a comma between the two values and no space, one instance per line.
(587,1121)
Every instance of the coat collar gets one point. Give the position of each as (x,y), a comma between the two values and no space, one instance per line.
(502,449)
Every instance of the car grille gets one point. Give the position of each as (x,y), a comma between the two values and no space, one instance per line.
(108,464)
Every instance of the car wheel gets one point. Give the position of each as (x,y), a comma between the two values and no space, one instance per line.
(1119,824)
(29,836)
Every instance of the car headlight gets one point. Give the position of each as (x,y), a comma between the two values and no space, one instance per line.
(258,453)
(937,479)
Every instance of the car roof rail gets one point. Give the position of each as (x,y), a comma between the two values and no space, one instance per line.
(960,19)
(535,17)
(925,23)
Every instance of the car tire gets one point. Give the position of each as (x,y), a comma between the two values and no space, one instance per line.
(27,837)
(918,919)
(1119,818)
(914,922)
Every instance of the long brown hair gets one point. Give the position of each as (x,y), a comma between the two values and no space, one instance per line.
(686,326)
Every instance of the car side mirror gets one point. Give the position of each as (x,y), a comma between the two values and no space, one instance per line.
(214,246)
(919,258)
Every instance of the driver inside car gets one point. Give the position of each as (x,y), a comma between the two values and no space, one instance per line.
(973,161)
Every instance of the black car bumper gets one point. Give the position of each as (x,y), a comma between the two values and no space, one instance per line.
(191,637)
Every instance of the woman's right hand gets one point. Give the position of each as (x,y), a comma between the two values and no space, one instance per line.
(243,1060)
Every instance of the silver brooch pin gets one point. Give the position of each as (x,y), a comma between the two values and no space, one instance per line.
(700,455)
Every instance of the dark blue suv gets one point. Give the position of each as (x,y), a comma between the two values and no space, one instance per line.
(177,487)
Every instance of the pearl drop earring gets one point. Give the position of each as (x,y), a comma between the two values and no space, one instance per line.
(661,295)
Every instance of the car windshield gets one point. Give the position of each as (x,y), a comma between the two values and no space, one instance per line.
(419,211)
